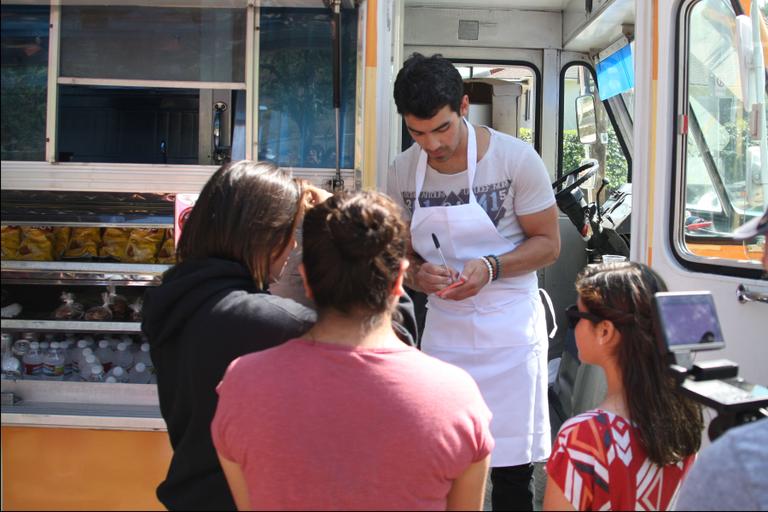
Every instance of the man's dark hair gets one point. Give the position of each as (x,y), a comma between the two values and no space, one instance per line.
(424,85)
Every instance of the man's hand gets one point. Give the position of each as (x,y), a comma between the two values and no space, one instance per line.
(475,274)
(430,278)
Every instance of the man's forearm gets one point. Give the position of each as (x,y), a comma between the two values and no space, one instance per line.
(535,253)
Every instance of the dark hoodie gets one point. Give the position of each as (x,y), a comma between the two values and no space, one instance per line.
(206,314)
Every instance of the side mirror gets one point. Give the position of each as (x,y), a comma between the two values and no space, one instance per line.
(586,120)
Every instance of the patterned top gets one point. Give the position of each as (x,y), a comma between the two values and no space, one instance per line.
(599,464)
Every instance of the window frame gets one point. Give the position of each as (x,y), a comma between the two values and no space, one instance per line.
(677,196)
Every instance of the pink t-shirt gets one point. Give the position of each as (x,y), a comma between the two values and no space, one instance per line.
(319,426)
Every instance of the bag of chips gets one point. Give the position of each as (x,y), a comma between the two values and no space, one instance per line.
(60,241)
(167,252)
(114,242)
(36,243)
(70,310)
(11,239)
(143,244)
(83,243)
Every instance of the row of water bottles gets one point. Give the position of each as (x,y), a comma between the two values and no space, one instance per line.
(68,357)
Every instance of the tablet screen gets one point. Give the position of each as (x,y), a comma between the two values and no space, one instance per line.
(689,320)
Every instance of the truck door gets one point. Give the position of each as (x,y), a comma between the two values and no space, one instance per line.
(706,166)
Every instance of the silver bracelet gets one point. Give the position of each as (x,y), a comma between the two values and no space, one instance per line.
(489,267)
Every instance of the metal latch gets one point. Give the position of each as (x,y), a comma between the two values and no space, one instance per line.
(744,295)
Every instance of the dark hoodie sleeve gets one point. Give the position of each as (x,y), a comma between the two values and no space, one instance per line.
(404,321)
(261,321)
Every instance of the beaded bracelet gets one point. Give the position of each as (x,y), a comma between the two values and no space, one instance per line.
(498,266)
(489,267)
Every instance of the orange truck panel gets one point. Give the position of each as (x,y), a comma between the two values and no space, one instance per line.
(80,469)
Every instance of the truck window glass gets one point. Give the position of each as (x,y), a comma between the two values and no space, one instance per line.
(296,125)
(24,66)
(577,81)
(723,185)
(151,85)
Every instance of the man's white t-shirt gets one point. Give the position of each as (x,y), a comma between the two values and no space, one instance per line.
(510,180)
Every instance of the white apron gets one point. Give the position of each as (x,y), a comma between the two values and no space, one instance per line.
(498,336)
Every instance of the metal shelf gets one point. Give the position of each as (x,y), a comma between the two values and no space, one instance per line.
(69,326)
(105,221)
(78,272)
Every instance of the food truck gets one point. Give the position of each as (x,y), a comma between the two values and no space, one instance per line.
(649,115)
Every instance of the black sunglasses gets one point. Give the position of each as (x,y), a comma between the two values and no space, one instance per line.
(574,315)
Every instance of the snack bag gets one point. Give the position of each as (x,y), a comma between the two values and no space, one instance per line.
(83,243)
(36,243)
(114,242)
(118,304)
(167,252)
(70,310)
(100,313)
(11,239)
(135,308)
(143,244)
(60,241)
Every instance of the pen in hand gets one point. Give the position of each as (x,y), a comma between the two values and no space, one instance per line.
(440,252)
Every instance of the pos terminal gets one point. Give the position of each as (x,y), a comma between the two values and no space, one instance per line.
(686,322)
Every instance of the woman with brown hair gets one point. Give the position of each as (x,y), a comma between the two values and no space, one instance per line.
(215,306)
(347,417)
(632,451)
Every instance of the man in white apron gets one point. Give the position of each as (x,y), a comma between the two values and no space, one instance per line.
(487,199)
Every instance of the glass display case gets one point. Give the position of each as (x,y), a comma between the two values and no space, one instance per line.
(74,269)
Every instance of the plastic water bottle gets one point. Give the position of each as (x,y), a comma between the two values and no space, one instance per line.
(123,356)
(33,361)
(19,348)
(6,343)
(12,369)
(118,373)
(142,356)
(53,363)
(105,354)
(96,373)
(139,374)
(113,342)
(83,362)
(66,350)
(110,380)
(87,360)
(76,354)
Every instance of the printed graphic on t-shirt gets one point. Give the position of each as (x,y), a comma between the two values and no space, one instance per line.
(490,197)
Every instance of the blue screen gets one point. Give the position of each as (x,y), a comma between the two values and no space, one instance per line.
(616,73)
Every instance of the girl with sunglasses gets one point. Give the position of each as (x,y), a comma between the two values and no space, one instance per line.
(635,447)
